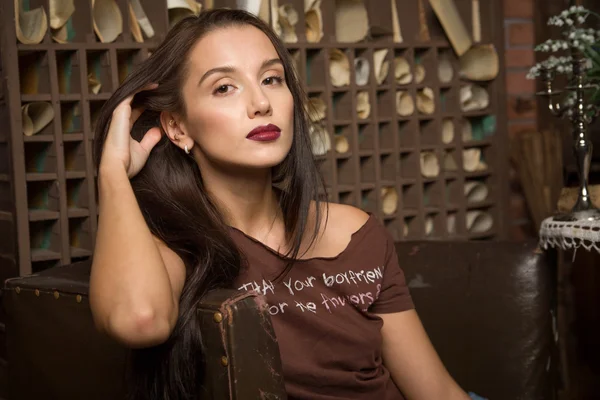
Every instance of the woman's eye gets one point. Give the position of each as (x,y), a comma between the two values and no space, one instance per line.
(222,89)
(273,80)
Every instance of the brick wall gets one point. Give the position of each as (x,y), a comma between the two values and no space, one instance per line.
(522,113)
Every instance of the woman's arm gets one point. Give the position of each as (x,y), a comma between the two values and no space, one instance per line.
(136,280)
(413,362)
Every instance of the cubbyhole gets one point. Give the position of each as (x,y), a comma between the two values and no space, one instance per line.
(425,70)
(345,172)
(77,195)
(429,164)
(343,140)
(70,115)
(79,27)
(381,66)
(450,161)
(405,103)
(44,240)
(451,223)
(324,167)
(479,221)
(43,196)
(363,67)
(448,131)
(429,131)
(40,157)
(411,197)
(482,127)
(348,198)
(127,61)
(34,75)
(433,194)
(363,105)
(410,230)
(386,136)
(367,169)
(98,67)
(476,159)
(80,237)
(389,200)
(340,69)
(385,104)
(74,156)
(366,136)
(407,133)
(477,191)
(403,67)
(95,109)
(454,192)
(37,118)
(368,201)
(409,165)
(342,106)
(447,65)
(450,100)
(69,71)
(426,100)
(315,68)
(474,98)
(389,167)
(433,225)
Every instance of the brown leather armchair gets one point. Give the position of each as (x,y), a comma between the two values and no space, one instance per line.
(487,306)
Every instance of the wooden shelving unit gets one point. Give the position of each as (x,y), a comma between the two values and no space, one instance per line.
(48,203)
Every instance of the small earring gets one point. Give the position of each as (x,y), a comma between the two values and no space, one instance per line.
(185,148)
(171,122)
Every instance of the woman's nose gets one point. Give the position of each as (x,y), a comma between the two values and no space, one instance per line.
(259,103)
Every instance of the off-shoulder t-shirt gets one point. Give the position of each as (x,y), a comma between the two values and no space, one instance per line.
(323,312)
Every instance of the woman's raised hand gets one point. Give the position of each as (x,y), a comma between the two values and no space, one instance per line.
(120,149)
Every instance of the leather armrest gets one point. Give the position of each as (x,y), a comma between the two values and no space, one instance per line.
(54,350)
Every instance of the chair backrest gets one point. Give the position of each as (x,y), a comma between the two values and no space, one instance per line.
(55,352)
(489,309)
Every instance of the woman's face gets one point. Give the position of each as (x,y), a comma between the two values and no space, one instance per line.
(239,109)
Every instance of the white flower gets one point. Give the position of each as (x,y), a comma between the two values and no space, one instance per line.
(565,45)
(580,19)
(573,9)
(572,35)
(576,43)
(565,13)
(569,21)
(581,9)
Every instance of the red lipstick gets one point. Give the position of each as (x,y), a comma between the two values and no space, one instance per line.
(264,133)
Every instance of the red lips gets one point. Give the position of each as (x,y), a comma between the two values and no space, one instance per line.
(264,133)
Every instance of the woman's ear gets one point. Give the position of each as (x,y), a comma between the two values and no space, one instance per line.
(170,124)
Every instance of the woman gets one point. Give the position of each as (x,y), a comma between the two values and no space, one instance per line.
(216,187)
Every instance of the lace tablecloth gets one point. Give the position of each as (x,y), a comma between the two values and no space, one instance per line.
(570,234)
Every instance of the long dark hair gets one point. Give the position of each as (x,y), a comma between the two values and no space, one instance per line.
(178,210)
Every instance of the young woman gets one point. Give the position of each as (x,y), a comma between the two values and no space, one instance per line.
(206,180)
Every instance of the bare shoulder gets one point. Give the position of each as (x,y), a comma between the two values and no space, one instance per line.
(344,218)
(338,224)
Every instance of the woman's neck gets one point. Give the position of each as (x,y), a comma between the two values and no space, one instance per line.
(247,200)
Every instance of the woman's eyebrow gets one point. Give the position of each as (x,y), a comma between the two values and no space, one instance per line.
(229,69)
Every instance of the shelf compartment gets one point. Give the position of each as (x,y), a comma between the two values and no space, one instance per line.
(68,67)
(34,75)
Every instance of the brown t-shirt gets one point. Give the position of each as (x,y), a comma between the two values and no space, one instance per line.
(323,313)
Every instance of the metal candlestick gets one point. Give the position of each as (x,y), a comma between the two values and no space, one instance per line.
(580,118)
